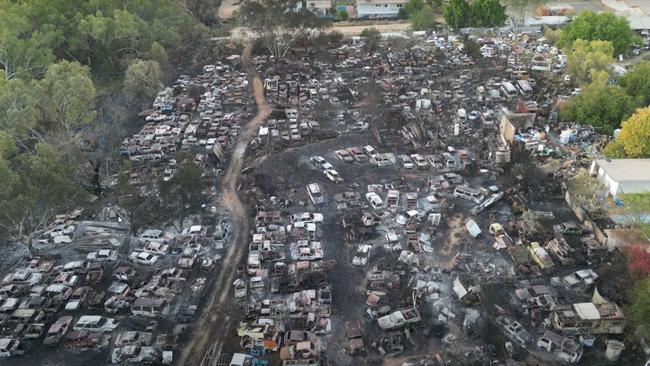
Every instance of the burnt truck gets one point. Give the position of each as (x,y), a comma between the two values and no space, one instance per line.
(399,319)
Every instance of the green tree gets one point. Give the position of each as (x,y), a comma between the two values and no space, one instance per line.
(589,60)
(488,13)
(157,53)
(67,96)
(19,111)
(471,47)
(343,15)
(24,51)
(141,209)
(600,105)
(424,19)
(142,80)
(413,7)
(279,24)
(639,309)
(458,14)
(35,187)
(372,37)
(603,26)
(553,35)
(634,139)
(184,191)
(636,82)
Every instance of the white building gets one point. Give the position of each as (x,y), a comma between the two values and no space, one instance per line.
(320,7)
(622,175)
(379,8)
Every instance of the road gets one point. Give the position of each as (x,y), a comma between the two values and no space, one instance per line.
(209,329)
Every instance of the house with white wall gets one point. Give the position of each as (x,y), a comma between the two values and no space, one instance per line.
(622,175)
(379,8)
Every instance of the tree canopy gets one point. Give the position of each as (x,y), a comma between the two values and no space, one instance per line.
(102,34)
(639,308)
(143,80)
(589,60)
(372,37)
(53,53)
(424,19)
(591,26)
(279,23)
(482,13)
(634,139)
(601,105)
(636,82)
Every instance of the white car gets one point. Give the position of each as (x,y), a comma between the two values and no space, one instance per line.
(406,162)
(143,258)
(133,338)
(96,324)
(315,193)
(344,155)
(104,255)
(334,176)
(370,151)
(307,217)
(419,160)
(473,115)
(374,200)
(321,163)
(135,355)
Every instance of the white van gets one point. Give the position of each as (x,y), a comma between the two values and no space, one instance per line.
(468,193)
(152,308)
(96,324)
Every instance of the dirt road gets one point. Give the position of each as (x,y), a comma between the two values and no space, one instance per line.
(209,330)
(348,30)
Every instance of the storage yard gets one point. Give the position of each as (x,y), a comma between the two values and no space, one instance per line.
(406,206)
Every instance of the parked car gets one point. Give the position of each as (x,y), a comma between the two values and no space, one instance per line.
(124,273)
(399,318)
(514,330)
(406,162)
(57,331)
(334,176)
(344,155)
(321,163)
(568,228)
(104,255)
(307,217)
(12,347)
(143,258)
(315,193)
(133,338)
(135,355)
(370,151)
(96,323)
(77,298)
(419,161)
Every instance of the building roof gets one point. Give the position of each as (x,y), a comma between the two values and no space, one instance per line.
(639,22)
(626,170)
(587,311)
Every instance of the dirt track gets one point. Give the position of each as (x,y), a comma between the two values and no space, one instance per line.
(209,329)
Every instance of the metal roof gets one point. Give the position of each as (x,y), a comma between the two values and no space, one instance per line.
(587,311)
(626,170)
